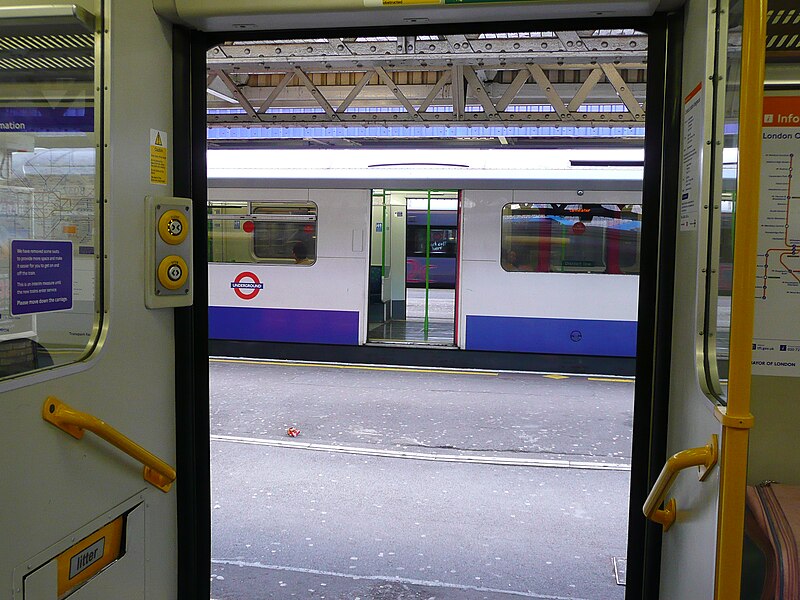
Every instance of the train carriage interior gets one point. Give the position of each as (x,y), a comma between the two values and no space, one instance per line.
(396,299)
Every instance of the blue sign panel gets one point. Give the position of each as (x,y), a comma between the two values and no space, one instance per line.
(45,118)
(41,276)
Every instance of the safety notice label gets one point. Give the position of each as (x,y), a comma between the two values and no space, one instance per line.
(158,157)
(41,276)
(776,329)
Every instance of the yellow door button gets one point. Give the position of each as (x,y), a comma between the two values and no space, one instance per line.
(173,227)
(173,272)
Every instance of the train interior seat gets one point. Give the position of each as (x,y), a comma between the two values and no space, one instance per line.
(771,566)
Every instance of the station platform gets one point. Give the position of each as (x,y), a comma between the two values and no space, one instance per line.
(416,483)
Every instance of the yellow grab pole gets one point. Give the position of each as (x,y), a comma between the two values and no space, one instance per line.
(736,418)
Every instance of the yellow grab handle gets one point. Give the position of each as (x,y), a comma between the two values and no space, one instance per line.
(66,418)
(705,456)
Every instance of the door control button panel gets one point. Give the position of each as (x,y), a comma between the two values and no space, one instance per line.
(168,252)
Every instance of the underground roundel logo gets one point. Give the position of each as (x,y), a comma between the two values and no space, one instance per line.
(246,285)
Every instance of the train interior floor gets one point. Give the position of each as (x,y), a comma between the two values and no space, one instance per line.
(338,481)
(438,330)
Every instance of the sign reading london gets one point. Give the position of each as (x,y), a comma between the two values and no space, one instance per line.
(41,276)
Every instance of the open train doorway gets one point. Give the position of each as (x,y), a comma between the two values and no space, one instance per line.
(413,280)
(350,470)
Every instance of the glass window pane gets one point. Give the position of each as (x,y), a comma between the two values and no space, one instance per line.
(574,238)
(726,213)
(49,221)
(276,233)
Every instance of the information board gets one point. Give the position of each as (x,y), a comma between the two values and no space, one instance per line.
(41,276)
(776,329)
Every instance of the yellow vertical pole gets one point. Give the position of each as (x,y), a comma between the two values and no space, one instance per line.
(736,418)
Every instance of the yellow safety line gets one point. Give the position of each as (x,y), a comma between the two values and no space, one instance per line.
(399,369)
(356,367)
(733,460)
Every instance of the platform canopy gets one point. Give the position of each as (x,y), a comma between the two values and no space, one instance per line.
(505,87)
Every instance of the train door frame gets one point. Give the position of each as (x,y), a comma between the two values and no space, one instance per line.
(655,291)
(409,194)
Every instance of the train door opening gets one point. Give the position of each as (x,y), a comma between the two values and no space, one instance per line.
(413,283)
(554,266)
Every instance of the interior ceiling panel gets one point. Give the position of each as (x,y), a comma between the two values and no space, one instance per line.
(234,15)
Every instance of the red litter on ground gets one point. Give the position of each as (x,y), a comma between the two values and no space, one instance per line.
(292,432)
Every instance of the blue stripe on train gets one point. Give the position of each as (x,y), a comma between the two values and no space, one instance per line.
(283,325)
(551,336)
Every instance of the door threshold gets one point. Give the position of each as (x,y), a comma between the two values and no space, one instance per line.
(413,344)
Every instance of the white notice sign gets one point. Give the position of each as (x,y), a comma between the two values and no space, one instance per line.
(776,330)
(692,156)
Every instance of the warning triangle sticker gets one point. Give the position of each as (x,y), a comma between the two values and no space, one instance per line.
(158,140)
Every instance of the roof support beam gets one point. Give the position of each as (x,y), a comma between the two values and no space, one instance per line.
(276,92)
(586,89)
(571,41)
(459,93)
(435,90)
(480,93)
(624,92)
(237,94)
(316,93)
(552,97)
(513,89)
(355,91)
(397,93)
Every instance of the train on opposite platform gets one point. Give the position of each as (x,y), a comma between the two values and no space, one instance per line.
(431,248)
(543,245)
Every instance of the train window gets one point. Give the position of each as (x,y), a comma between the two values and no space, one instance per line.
(570,238)
(722,217)
(443,241)
(50,223)
(265,232)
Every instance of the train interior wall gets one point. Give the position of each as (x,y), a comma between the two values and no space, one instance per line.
(772,452)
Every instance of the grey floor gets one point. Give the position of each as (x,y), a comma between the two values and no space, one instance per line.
(439,330)
(407,484)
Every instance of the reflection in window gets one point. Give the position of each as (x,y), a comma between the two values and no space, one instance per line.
(49,221)
(443,241)
(270,233)
(571,238)
(717,347)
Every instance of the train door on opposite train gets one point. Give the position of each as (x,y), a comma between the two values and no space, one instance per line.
(82,147)
(414,266)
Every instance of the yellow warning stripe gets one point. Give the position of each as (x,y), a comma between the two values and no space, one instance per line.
(611,379)
(356,367)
